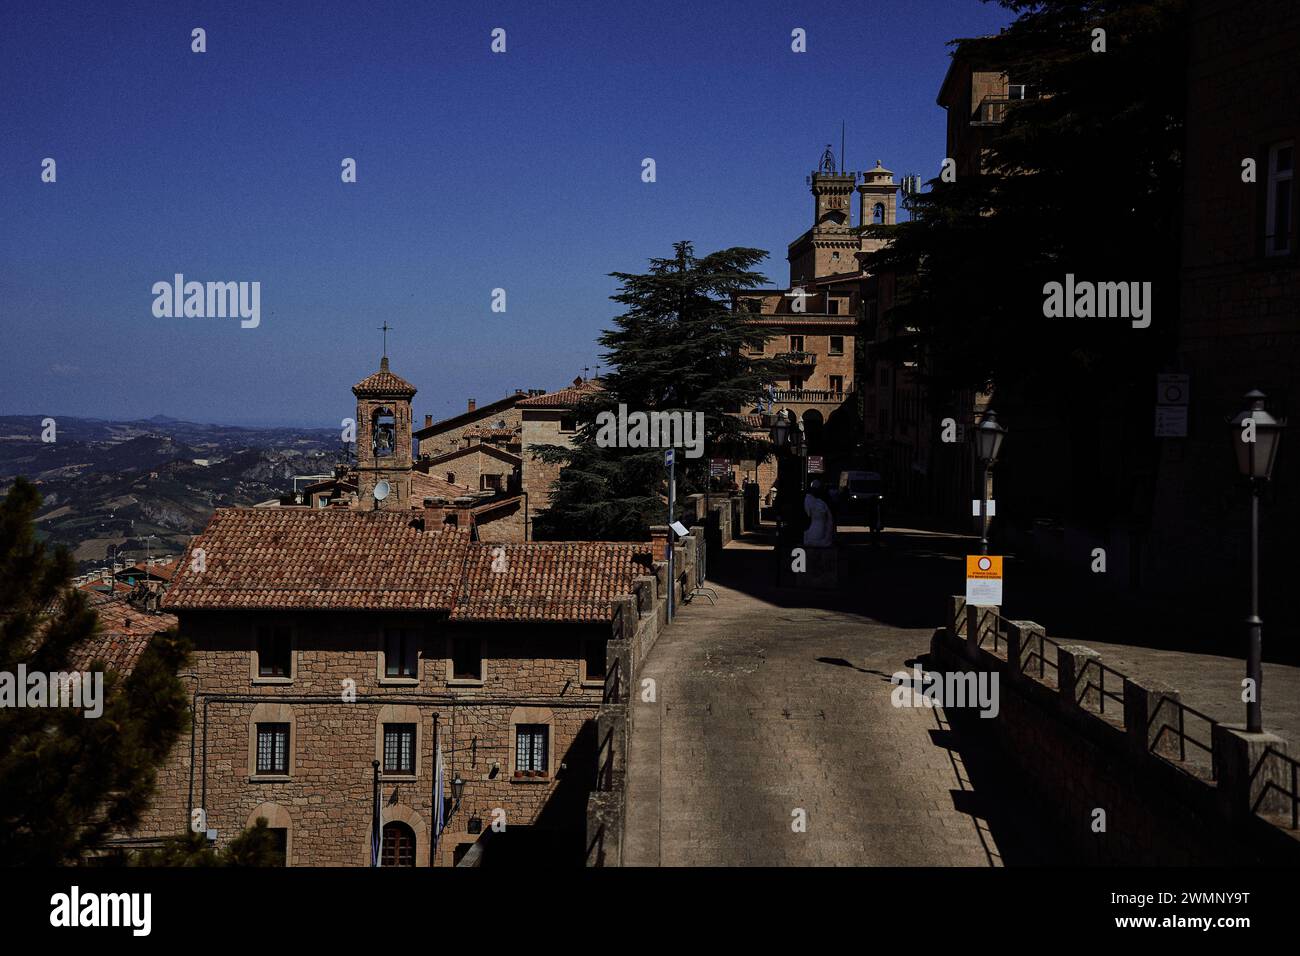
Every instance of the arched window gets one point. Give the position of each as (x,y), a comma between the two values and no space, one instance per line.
(878,213)
(385,433)
(399,845)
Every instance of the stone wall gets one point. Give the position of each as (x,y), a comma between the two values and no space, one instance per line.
(643,616)
(1076,760)
(452,438)
(532,674)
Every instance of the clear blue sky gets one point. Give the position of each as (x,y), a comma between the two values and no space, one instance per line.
(475,171)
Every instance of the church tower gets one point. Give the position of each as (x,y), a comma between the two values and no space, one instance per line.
(828,247)
(383,441)
(879,194)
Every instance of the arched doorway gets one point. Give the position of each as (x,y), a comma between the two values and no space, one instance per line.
(813,431)
(398,845)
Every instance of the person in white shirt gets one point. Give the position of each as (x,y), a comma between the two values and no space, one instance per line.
(820,532)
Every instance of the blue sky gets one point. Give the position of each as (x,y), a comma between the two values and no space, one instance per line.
(475,171)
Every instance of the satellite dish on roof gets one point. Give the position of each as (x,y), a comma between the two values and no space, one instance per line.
(382,490)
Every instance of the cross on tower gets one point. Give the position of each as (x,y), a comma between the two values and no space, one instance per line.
(386,328)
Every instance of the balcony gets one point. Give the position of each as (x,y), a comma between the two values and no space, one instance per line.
(809,396)
(797,358)
(991,111)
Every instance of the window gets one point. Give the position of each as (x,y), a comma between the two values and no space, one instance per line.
(491,483)
(451,477)
(593,658)
(796,383)
(837,345)
(274,651)
(398,845)
(568,423)
(796,343)
(273,748)
(531,750)
(467,659)
(401,646)
(1278,218)
(835,257)
(1016,91)
(399,748)
(837,384)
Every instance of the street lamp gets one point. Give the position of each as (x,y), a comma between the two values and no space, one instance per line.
(1257,435)
(988,442)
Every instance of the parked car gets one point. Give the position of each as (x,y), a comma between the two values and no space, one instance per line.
(862,493)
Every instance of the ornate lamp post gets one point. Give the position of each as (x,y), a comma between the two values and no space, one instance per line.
(988,442)
(1256,435)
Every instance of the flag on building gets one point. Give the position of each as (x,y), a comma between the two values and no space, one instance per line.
(376,826)
(439,804)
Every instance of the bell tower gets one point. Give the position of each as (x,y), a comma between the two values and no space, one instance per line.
(879,195)
(383,441)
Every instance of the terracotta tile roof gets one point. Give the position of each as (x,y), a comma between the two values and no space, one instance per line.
(339,559)
(162,571)
(383,383)
(431,486)
(102,587)
(566,397)
(124,634)
(548,581)
(320,559)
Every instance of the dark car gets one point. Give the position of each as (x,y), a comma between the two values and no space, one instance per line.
(862,493)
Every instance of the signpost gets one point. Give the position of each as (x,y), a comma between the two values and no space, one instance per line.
(672,508)
(816,465)
(1171,405)
(984,580)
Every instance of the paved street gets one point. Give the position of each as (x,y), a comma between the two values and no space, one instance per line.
(765,709)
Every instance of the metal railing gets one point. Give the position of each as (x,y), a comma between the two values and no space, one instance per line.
(992,111)
(1292,793)
(1102,670)
(1180,731)
(808,395)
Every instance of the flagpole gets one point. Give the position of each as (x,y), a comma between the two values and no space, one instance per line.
(437,795)
(375,836)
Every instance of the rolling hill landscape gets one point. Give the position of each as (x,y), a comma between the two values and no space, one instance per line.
(114,484)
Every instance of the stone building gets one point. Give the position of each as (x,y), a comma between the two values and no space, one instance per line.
(495,423)
(476,487)
(548,419)
(329,639)
(1240,305)
(816,320)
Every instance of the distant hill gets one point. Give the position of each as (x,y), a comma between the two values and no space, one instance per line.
(114,483)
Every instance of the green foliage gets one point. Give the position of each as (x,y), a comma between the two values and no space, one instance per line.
(1085,178)
(677,346)
(66,781)
(256,846)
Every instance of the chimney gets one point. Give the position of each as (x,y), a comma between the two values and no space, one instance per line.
(428,420)
(472,404)
(659,534)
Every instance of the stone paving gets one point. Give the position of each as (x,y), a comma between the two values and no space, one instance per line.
(764,710)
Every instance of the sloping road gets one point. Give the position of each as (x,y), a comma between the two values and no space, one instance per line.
(769,714)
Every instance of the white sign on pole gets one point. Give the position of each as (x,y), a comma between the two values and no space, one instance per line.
(975,508)
(984,580)
(1171,421)
(679,528)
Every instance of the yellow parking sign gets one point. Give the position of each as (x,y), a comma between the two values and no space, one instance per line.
(984,579)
